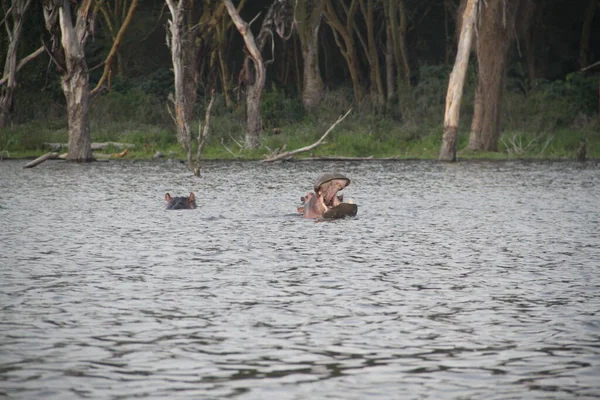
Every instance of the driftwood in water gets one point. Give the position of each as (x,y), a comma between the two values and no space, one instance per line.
(290,154)
(41,159)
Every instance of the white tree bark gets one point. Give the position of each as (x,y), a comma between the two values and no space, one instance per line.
(70,60)
(457,82)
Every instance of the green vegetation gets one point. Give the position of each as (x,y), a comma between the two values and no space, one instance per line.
(546,121)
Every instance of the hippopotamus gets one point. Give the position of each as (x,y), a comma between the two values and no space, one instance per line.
(180,203)
(325,202)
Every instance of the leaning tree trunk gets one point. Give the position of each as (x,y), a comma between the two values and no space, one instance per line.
(69,58)
(308,21)
(343,33)
(457,82)
(16,14)
(255,69)
(222,42)
(495,27)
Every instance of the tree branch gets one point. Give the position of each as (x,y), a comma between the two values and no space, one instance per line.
(310,147)
(24,61)
(115,46)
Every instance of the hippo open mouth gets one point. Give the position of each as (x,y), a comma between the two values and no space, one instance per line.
(325,202)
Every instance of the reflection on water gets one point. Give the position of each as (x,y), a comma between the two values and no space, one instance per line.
(469,280)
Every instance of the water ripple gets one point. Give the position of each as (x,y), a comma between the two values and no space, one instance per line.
(470,280)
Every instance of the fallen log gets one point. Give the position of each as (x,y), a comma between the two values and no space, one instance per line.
(290,154)
(95,146)
(41,159)
(341,158)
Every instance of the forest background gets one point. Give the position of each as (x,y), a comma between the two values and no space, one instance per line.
(388,61)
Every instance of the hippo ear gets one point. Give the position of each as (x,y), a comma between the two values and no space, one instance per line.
(167,197)
(191,197)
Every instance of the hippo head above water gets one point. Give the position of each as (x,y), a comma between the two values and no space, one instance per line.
(180,203)
(325,202)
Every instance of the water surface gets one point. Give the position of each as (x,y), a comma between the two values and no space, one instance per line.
(474,280)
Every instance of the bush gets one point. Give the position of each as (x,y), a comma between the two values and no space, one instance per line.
(277,109)
(550,105)
(132,107)
(158,85)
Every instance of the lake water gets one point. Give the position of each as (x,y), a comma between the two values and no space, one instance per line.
(475,280)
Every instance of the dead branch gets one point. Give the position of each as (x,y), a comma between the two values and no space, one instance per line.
(41,159)
(241,146)
(203,134)
(6,14)
(290,154)
(229,150)
(172,100)
(273,153)
(24,61)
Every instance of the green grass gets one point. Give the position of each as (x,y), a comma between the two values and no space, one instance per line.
(353,137)
(548,122)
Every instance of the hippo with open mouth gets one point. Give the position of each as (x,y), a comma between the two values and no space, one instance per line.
(325,202)
(180,203)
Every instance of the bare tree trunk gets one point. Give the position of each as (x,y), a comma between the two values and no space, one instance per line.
(402,41)
(183,57)
(308,21)
(456,83)
(253,120)
(203,134)
(346,43)
(477,123)
(495,33)
(16,14)
(255,68)
(69,57)
(297,74)
(223,37)
(77,93)
(389,63)
(254,89)
(370,47)
(397,20)
(226,80)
